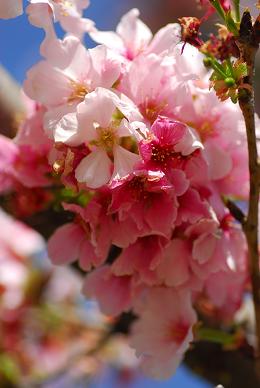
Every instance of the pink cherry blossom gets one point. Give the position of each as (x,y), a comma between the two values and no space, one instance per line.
(14,259)
(163,332)
(20,163)
(68,13)
(170,145)
(112,292)
(85,240)
(213,247)
(140,259)
(174,269)
(99,126)
(164,95)
(223,135)
(133,37)
(225,290)
(76,72)
(11,8)
(149,199)
(27,241)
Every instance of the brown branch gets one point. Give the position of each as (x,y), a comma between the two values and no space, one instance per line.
(235,210)
(12,109)
(233,369)
(248,45)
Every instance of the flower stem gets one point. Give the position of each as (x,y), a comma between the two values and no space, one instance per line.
(216,4)
(236,9)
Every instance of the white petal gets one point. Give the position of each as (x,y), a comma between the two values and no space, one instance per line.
(124,162)
(135,34)
(47,84)
(61,125)
(220,161)
(127,107)
(98,107)
(123,129)
(108,38)
(189,143)
(165,39)
(95,169)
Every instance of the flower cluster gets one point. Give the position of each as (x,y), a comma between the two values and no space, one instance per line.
(132,129)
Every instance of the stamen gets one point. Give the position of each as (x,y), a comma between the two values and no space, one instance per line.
(79,92)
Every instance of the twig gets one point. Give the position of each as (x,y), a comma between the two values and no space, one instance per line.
(248,45)
(235,210)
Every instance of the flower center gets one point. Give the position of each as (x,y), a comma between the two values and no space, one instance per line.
(151,109)
(65,5)
(136,187)
(106,137)
(163,155)
(205,130)
(79,92)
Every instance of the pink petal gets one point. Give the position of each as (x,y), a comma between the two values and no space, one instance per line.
(191,207)
(109,39)
(64,244)
(174,267)
(161,214)
(135,34)
(97,107)
(220,162)
(87,256)
(166,38)
(168,131)
(10,8)
(40,81)
(203,248)
(112,292)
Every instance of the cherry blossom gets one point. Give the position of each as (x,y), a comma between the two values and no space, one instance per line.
(11,8)
(102,131)
(133,37)
(164,331)
(68,13)
(129,139)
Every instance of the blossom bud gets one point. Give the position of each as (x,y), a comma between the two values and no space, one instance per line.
(229,81)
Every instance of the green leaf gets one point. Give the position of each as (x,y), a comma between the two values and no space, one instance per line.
(216,4)
(216,336)
(231,24)
(237,10)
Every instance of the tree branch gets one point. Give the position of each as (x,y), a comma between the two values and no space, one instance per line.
(11,106)
(248,45)
(235,210)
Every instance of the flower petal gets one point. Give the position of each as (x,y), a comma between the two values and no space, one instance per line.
(94,169)
(124,162)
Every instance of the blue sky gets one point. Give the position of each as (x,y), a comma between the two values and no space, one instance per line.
(182,379)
